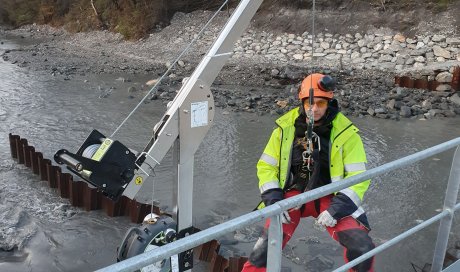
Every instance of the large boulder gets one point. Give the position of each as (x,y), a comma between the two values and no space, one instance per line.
(455,99)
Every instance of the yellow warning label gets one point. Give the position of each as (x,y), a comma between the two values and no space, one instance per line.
(102,150)
(138,180)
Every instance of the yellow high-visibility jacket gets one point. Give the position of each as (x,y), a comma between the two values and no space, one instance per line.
(346,156)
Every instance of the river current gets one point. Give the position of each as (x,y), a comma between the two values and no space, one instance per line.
(39,231)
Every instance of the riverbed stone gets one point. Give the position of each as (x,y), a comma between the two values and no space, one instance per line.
(410,61)
(405,111)
(298,56)
(399,37)
(434,112)
(274,72)
(449,113)
(391,104)
(444,77)
(455,98)
(426,104)
(443,88)
(453,41)
(441,52)
(438,38)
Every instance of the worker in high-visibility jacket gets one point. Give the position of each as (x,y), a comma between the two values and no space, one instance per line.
(338,154)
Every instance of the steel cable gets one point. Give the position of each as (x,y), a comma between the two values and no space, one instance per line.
(170,68)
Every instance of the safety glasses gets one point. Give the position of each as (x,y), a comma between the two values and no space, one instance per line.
(321,104)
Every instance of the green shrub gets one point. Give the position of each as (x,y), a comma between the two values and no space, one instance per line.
(442,4)
(22,12)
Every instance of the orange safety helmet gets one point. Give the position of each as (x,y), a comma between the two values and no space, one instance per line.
(323,86)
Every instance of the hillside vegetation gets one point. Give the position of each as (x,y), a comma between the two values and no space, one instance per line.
(136,18)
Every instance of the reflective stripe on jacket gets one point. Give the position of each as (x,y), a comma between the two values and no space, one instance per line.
(347,157)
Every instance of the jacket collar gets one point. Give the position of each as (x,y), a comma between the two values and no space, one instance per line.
(288,119)
(342,127)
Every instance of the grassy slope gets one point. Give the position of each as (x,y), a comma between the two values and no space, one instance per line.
(136,18)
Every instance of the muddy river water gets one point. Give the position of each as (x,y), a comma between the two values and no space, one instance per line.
(39,231)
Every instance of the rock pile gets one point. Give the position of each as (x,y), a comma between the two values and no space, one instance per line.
(372,51)
(359,94)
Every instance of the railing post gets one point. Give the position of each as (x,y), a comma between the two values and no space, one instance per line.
(446,223)
(275,240)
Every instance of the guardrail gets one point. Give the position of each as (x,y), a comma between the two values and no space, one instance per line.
(274,211)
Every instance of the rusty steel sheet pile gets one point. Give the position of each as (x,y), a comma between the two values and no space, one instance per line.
(408,82)
(83,195)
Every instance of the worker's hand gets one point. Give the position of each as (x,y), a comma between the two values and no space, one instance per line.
(325,219)
(285,218)
(272,196)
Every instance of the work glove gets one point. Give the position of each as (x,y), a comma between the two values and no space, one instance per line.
(272,196)
(325,219)
(285,218)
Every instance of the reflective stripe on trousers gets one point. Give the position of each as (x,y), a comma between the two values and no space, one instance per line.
(348,232)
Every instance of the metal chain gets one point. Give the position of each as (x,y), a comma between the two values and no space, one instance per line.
(170,68)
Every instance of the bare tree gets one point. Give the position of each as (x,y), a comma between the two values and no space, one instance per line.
(98,16)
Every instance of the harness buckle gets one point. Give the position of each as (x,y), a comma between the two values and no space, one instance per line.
(307,154)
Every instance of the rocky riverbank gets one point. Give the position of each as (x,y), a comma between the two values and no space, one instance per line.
(266,68)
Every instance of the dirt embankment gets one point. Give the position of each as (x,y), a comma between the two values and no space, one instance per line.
(135,19)
(410,17)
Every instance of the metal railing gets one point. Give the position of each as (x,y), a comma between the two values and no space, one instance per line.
(274,211)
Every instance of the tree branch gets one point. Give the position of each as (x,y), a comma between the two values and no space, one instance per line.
(99,18)
(95,10)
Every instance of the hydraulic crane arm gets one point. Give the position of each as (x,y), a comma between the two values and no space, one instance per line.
(185,118)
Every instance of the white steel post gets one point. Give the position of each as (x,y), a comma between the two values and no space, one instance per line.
(446,223)
(275,240)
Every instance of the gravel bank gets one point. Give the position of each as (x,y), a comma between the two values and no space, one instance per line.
(256,79)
